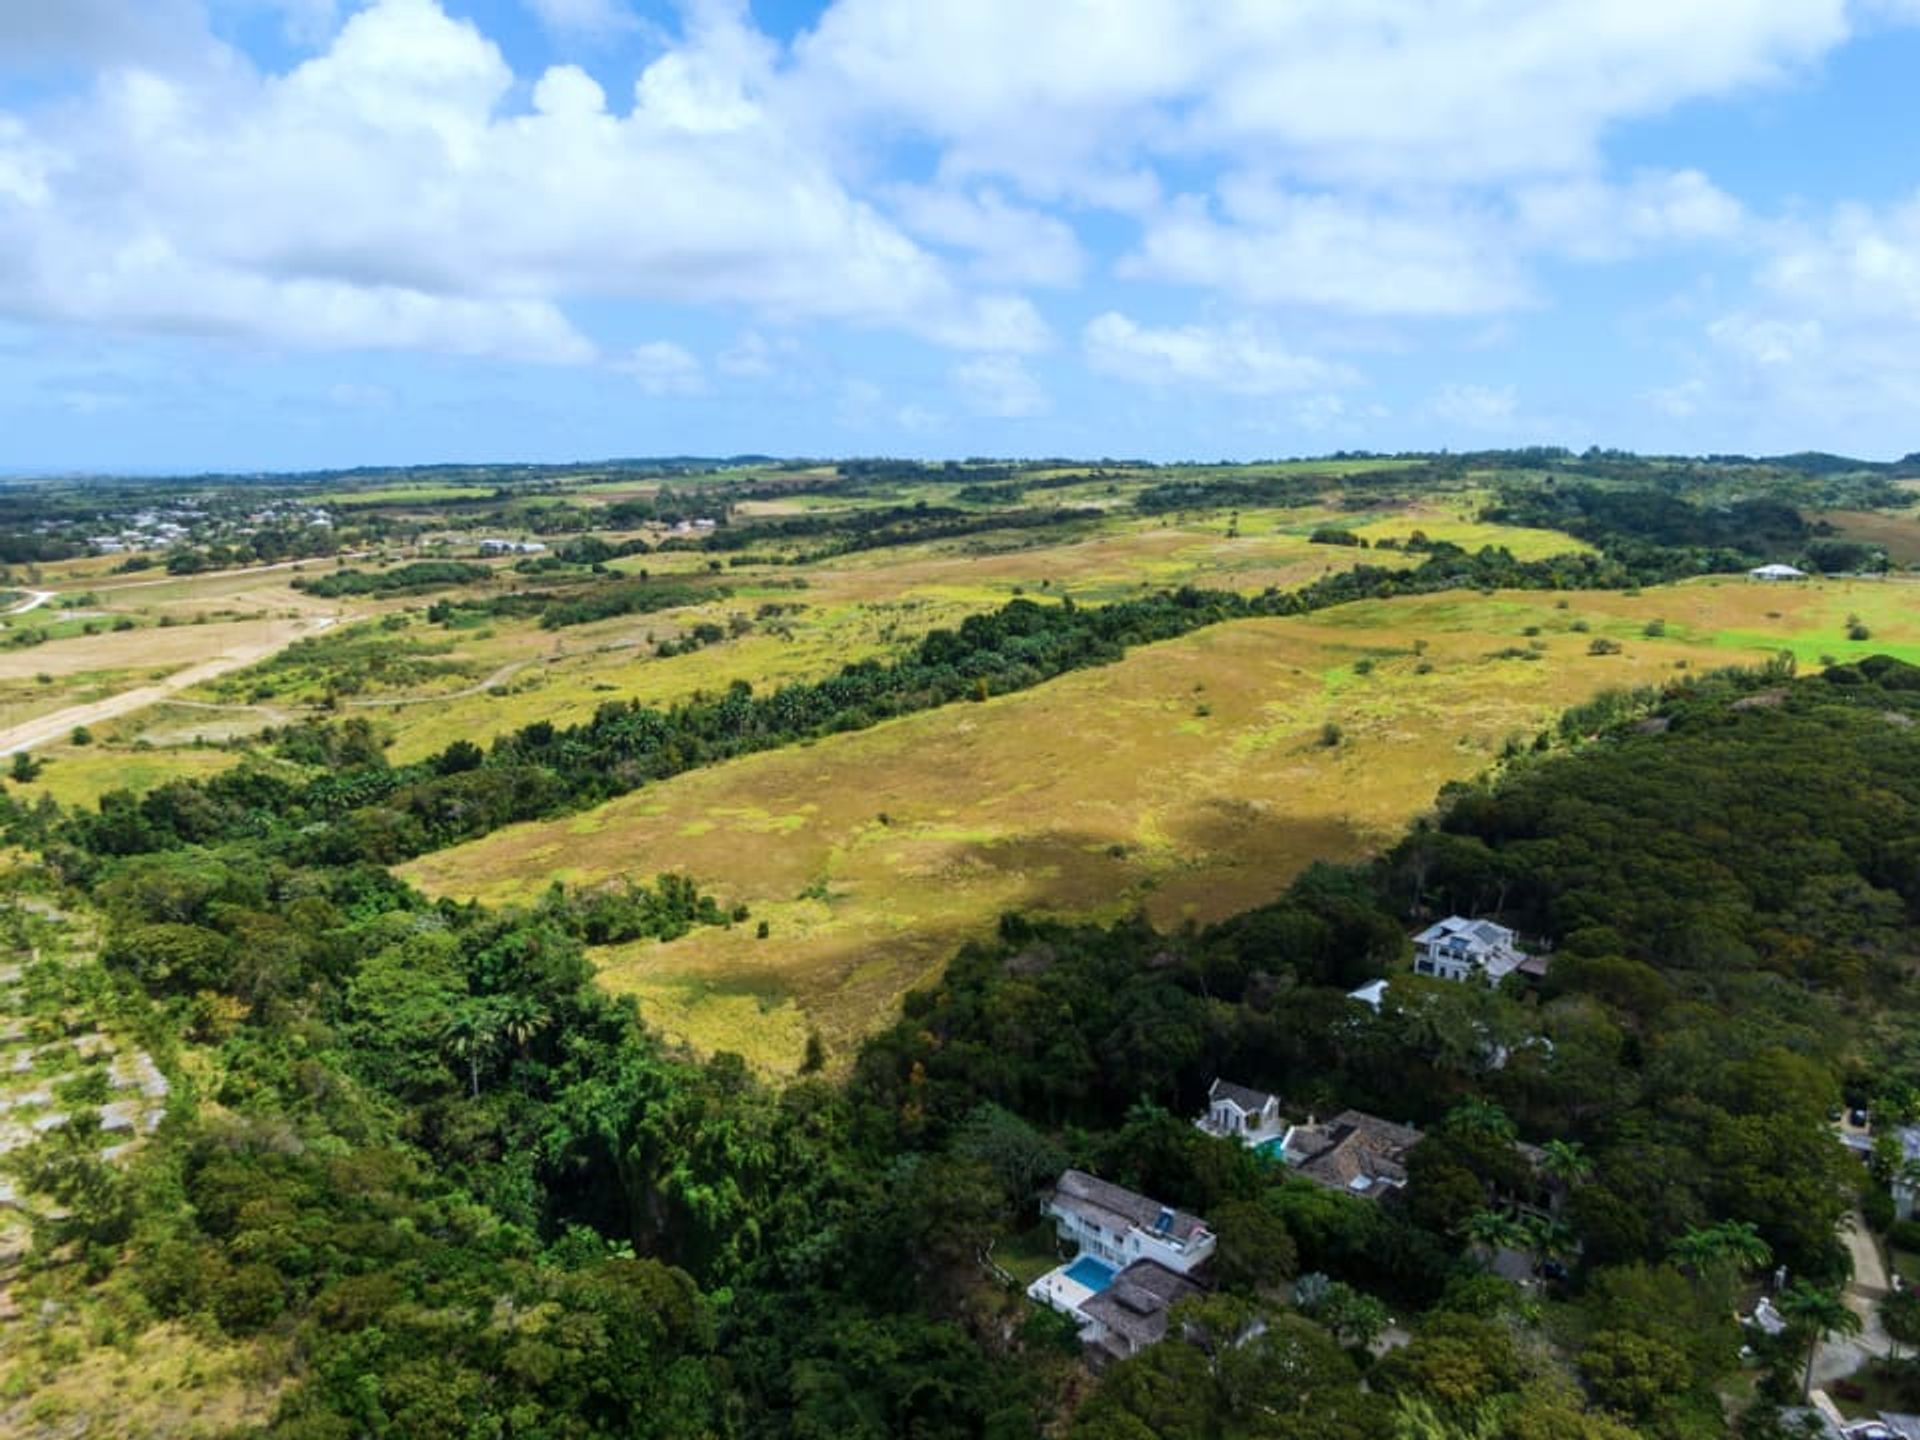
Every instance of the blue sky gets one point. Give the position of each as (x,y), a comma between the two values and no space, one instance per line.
(278,234)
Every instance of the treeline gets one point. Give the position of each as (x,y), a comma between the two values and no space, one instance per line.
(1651,528)
(851,531)
(413,579)
(541,770)
(561,610)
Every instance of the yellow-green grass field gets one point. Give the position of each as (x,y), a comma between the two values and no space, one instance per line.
(1189,779)
(81,774)
(875,603)
(1895,531)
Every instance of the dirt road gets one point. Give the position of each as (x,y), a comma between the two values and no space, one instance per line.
(35,599)
(47,728)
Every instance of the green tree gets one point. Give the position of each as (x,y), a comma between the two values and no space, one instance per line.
(1565,1161)
(1732,1243)
(471,1037)
(1817,1313)
(1255,1253)
(1900,1315)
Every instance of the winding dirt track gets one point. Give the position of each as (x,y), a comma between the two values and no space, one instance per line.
(28,734)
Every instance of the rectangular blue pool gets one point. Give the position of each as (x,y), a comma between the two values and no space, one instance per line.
(1091,1273)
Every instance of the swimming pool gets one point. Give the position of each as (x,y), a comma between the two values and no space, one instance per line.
(1091,1273)
(1274,1149)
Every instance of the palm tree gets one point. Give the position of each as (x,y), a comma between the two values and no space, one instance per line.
(1820,1313)
(1554,1239)
(471,1035)
(521,1018)
(1565,1161)
(1731,1242)
(1483,1116)
(1494,1231)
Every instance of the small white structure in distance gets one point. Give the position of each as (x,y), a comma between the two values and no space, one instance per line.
(1776,572)
(1370,994)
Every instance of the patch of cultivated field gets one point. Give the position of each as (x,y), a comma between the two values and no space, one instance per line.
(1190,779)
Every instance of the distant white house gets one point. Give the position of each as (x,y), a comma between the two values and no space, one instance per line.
(1236,1112)
(1460,949)
(1776,572)
(495,545)
(1133,1266)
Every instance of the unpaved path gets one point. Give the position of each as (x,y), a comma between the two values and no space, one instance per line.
(27,735)
(492,682)
(35,599)
(115,587)
(1839,1358)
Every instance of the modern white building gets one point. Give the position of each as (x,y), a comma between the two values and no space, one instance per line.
(1460,949)
(1119,1226)
(1134,1262)
(1776,572)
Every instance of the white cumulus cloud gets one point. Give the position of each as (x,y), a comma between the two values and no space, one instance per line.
(1234,359)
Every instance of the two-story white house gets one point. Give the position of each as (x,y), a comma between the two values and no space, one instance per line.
(1135,1257)
(1238,1112)
(1460,949)
(1119,1226)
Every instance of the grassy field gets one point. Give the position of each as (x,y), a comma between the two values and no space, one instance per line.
(81,774)
(1189,780)
(1895,531)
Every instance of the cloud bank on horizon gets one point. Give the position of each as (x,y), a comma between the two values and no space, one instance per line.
(283,233)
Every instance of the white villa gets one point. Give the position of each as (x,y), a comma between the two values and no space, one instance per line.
(1776,572)
(1460,949)
(1135,1257)
(1906,1175)
(1235,1112)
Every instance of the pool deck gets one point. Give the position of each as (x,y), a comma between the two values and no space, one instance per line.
(1061,1291)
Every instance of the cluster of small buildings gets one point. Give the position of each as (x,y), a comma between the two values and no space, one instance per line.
(499,545)
(1354,1152)
(179,524)
(1136,1258)
(693,527)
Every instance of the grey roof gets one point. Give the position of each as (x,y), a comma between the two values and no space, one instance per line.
(1136,1303)
(1483,932)
(1101,1200)
(1250,1101)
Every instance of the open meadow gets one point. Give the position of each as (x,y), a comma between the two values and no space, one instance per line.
(1192,780)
